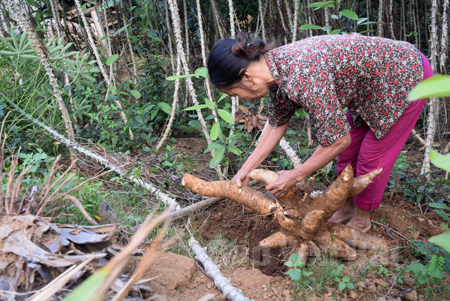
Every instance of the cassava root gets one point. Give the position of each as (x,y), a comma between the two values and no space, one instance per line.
(300,216)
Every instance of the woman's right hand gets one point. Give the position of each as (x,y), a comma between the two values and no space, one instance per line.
(242,178)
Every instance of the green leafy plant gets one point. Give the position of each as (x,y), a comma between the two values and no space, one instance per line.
(436,86)
(221,145)
(345,18)
(346,284)
(297,273)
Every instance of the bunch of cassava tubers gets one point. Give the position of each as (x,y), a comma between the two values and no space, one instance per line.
(303,216)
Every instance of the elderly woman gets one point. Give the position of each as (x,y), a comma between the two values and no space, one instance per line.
(370,76)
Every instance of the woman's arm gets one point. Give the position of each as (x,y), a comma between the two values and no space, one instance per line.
(269,139)
(321,156)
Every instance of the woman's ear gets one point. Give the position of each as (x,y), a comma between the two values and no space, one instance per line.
(248,76)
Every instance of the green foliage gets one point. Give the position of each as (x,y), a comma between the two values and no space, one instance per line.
(417,189)
(442,240)
(435,261)
(226,121)
(345,18)
(88,288)
(441,161)
(436,86)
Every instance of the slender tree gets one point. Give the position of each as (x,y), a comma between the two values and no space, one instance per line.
(99,61)
(203,51)
(294,24)
(130,47)
(174,107)
(380,18)
(434,102)
(261,18)
(444,38)
(179,42)
(369,26)
(234,100)
(280,12)
(391,19)
(21,16)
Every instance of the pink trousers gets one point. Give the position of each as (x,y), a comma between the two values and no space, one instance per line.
(367,153)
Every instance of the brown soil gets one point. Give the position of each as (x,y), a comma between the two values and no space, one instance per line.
(247,228)
(405,218)
(252,282)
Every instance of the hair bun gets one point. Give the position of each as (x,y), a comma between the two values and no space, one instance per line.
(248,50)
(240,46)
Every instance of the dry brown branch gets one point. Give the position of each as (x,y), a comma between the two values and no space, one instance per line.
(9,186)
(80,207)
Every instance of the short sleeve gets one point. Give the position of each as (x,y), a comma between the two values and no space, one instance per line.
(316,93)
(280,108)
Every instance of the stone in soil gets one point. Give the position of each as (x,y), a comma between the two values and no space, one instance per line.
(172,271)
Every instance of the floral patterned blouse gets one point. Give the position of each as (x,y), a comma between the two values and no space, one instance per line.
(371,76)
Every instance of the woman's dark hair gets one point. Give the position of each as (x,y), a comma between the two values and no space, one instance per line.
(229,57)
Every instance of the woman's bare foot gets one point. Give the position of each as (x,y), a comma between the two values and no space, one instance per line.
(344,213)
(360,220)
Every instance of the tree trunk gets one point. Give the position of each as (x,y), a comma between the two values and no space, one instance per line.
(21,17)
(179,42)
(416,10)
(234,99)
(169,35)
(391,20)
(413,16)
(444,38)
(99,62)
(203,51)
(174,107)
(55,13)
(130,47)
(215,11)
(369,26)
(280,12)
(294,24)
(186,29)
(261,17)
(434,102)
(380,18)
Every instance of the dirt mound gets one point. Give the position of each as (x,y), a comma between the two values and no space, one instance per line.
(170,271)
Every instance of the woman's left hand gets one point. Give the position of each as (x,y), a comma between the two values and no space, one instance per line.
(285,182)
